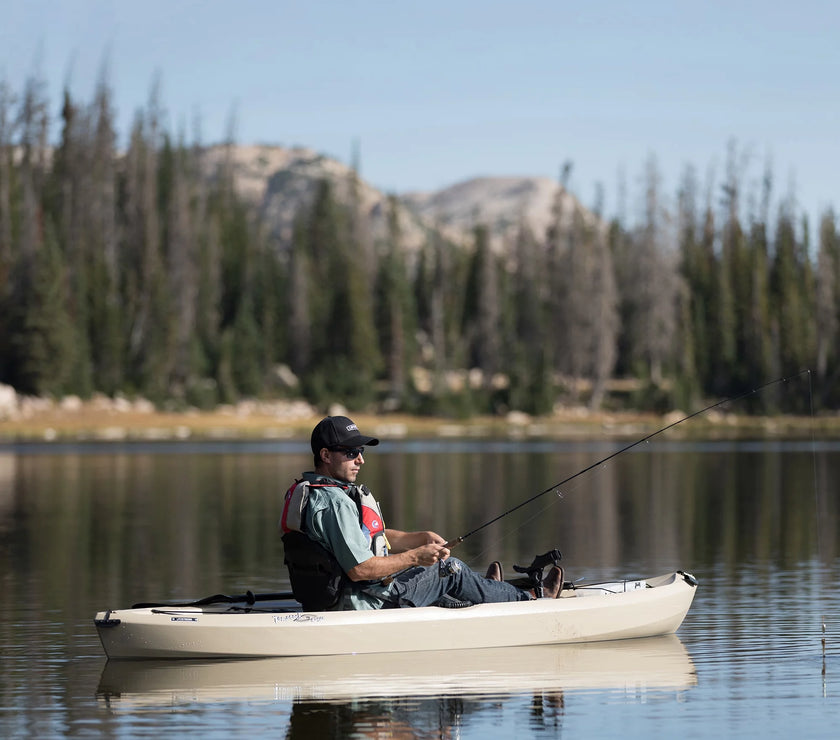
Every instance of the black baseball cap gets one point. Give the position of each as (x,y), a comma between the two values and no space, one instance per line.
(339,431)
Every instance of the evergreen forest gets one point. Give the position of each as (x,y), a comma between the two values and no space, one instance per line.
(127,270)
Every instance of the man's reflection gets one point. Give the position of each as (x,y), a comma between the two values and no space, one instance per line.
(442,717)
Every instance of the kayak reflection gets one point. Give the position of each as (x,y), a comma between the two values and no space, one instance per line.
(639,664)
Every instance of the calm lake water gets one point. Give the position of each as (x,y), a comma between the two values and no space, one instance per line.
(90,527)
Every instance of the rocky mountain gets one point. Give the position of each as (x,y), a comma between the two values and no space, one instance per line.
(500,203)
(279,181)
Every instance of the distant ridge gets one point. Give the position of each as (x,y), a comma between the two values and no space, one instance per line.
(500,203)
(279,181)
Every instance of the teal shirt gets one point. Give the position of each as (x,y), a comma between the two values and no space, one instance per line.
(332,520)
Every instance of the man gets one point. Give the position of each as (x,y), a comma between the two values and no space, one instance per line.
(341,556)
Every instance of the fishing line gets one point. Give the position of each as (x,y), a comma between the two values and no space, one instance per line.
(560,496)
(618,452)
(524,523)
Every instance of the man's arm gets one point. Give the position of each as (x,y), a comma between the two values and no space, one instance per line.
(401,541)
(337,527)
(376,567)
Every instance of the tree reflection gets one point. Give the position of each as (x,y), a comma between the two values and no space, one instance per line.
(95,531)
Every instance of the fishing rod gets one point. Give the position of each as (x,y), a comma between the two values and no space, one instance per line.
(458,540)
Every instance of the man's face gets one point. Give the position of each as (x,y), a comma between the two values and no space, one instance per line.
(343,463)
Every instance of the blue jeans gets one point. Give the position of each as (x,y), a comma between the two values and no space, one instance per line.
(424,586)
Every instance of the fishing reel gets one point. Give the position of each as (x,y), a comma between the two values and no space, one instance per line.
(448,568)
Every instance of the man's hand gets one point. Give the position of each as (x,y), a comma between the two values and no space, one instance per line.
(430,554)
(435,538)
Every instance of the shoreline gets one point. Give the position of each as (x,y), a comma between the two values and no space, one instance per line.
(289,421)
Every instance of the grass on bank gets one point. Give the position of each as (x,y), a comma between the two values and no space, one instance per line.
(102,425)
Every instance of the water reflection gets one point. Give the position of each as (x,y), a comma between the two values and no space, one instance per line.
(661,663)
(8,468)
(408,719)
(102,527)
(134,527)
(411,696)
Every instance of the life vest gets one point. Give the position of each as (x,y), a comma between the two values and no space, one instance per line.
(318,580)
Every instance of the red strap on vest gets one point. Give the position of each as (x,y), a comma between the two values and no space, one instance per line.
(371,520)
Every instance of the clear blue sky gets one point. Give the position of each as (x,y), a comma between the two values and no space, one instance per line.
(437,92)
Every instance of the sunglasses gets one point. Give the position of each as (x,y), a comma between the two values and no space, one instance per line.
(351,453)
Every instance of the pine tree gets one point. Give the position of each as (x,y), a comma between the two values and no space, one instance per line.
(357,260)
(238,281)
(7,237)
(105,312)
(789,285)
(246,364)
(323,237)
(314,278)
(32,271)
(45,341)
(603,319)
(531,388)
(696,268)
(438,298)
(651,294)
(206,346)
(148,310)
(67,198)
(758,341)
(723,331)
(300,324)
(271,286)
(395,309)
(827,303)
(735,262)
(572,289)
(182,267)
(588,294)
(341,315)
(352,333)
(482,309)
(556,245)
(620,248)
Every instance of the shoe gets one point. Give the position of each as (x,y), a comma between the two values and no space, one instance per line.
(553,583)
(494,572)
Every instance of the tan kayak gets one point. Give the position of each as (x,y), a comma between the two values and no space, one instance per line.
(607,611)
